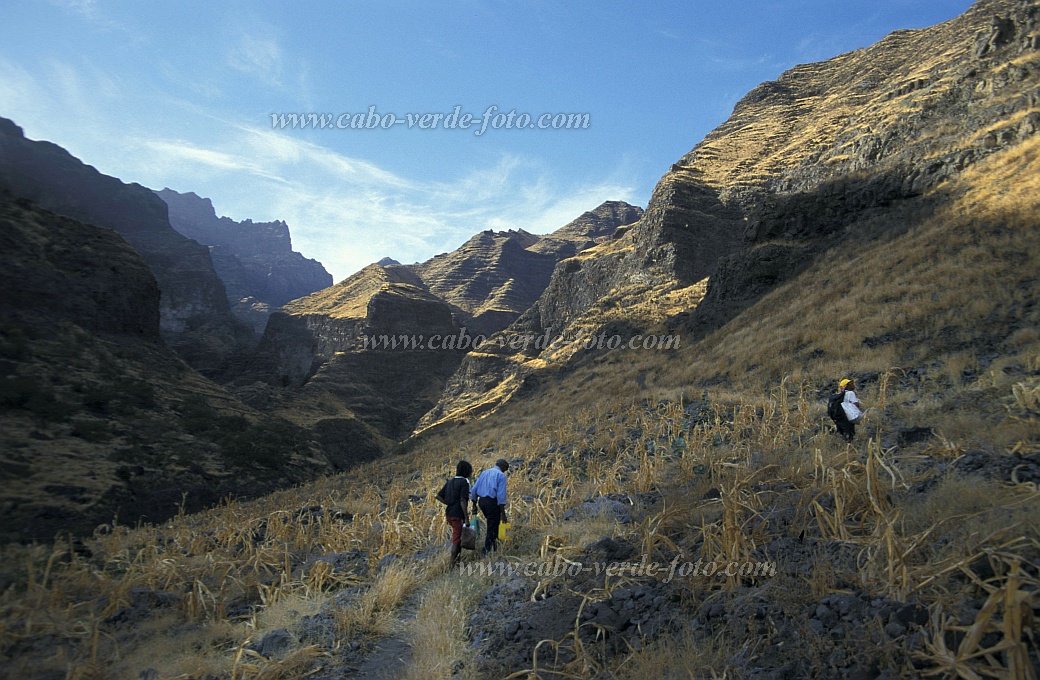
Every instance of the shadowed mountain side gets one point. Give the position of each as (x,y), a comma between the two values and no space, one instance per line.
(50,272)
(255,260)
(802,159)
(98,417)
(360,350)
(621,287)
(194,315)
(377,301)
(387,390)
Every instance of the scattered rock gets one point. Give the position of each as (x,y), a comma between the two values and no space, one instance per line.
(386,561)
(274,644)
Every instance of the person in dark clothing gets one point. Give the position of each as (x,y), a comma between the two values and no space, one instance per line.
(850,404)
(489,494)
(454,494)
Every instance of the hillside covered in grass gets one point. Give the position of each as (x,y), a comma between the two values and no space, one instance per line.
(887,215)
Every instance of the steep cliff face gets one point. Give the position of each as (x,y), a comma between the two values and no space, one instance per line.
(375,302)
(370,349)
(255,260)
(98,416)
(800,163)
(194,315)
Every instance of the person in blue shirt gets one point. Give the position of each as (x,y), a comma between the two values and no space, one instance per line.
(489,494)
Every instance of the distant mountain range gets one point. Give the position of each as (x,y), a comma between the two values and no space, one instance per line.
(318,342)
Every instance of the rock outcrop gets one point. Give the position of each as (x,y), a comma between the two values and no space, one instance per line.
(194,315)
(375,344)
(873,132)
(255,260)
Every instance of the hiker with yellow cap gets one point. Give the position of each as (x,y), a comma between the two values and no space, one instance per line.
(845,410)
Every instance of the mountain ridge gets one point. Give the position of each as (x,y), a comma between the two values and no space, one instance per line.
(326,347)
(195,317)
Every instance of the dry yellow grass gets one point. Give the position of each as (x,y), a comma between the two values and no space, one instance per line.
(438,635)
(254,551)
(374,613)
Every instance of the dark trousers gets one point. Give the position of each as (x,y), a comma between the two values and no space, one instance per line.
(493,515)
(846,429)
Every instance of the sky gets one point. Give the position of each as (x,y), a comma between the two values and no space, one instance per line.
(189,95)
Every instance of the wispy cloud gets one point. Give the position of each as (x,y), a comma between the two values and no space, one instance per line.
(95,16)
(258,56)
(182,151)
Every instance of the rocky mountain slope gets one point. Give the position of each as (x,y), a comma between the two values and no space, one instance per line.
(800,167)
(194,315)
(326,348)
(98,416)
(316,346)
(255,260)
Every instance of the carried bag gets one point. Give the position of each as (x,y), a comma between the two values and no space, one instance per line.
(469,538)
(834,407)
(851,412)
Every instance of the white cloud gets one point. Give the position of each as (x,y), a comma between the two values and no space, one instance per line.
(178,150)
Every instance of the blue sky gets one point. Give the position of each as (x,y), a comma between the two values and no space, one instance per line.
(180,94)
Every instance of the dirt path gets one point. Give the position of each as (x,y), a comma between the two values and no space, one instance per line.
(389,657)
